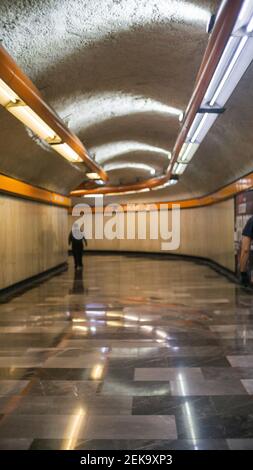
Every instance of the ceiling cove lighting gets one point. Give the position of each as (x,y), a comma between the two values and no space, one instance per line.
(125,165)
(114,149)
(93,176)
(18,108)
(235,59)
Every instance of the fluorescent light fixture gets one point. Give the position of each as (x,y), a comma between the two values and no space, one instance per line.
(67,152)
(93,176)
(229,69)
(179,168)
(236,58)
(187,152)
(30,119)
(244,21)
(6,94)
(12,103)
(249,28)
(200,127)
(234,61)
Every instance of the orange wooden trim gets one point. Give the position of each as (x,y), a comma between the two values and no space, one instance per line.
(24,190)
(13,76)
(242,184)
(150,183)
(238,186)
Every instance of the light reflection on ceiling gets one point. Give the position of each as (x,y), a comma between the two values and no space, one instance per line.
(87,110)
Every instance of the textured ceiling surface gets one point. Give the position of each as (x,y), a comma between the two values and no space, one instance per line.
(119,72)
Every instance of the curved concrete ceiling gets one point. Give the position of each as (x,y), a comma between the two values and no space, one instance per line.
(119,73)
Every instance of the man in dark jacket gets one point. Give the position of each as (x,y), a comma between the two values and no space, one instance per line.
(77,248)
(247,236)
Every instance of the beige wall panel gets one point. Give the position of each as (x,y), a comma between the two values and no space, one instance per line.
(33,238)
(205,231)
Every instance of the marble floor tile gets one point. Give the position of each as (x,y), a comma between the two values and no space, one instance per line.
(193,427)
(131,388)
(190,386)
(146,445)
(32,329)
(90,427)
(200,406)
(217,373)
(132,444)
(132,427)
(233,405)
(248,384)
(108,343)
(235,427)
(17,373)
(87,360)
(69,405)
(15,361)
(12,387)
(240,444)
(63,387)
(15,444)
(166,374)
(233,331)
(37,426)
(241,361)
(139,353)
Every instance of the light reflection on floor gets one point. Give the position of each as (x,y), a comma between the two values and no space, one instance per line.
(133,353)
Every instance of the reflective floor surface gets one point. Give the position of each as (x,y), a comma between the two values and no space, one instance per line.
(133,353)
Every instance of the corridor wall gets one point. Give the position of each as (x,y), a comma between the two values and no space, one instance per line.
(33,238)
(205,232)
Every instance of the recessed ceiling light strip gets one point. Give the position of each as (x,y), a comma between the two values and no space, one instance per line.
(235,58)
(20,97)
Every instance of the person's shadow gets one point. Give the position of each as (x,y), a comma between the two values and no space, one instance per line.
(78,283)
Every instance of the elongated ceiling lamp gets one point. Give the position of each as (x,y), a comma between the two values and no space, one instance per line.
(20,97)
(233,63)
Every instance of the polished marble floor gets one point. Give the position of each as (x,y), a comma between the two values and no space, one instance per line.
(133,353)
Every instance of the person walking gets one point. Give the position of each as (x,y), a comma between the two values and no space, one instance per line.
(77,247)
(247,237)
